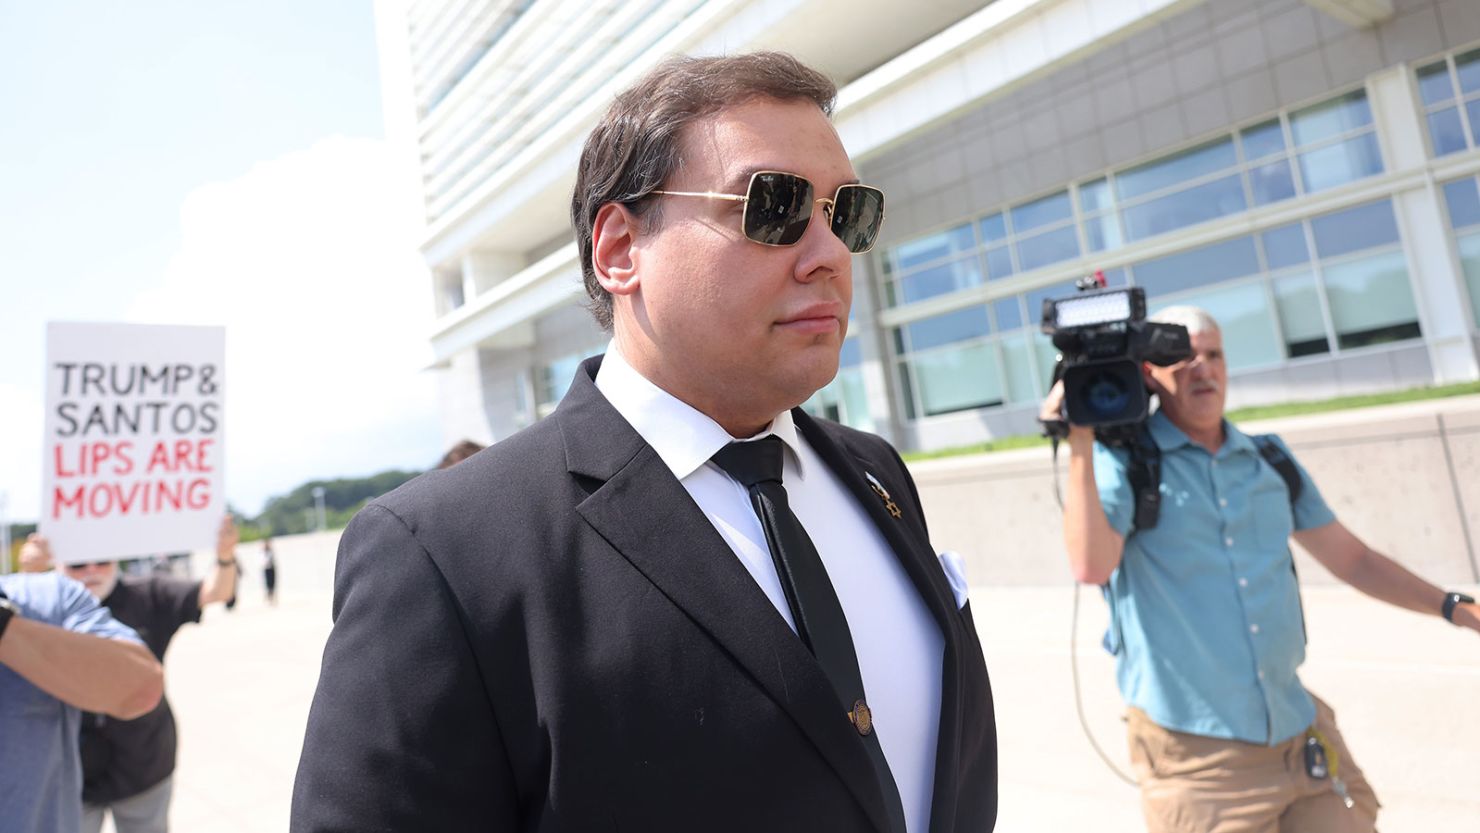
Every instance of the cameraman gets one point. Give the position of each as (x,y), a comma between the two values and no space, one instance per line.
(1206,623)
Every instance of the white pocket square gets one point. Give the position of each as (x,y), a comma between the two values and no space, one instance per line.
(955,569)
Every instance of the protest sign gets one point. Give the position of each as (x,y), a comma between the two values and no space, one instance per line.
(132,452)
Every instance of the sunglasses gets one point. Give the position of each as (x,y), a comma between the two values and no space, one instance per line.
(86,564)
(778,209)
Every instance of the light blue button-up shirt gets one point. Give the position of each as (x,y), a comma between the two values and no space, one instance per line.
(40,767)
(1206,622)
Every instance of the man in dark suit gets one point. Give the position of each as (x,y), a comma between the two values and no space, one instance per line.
(679,603)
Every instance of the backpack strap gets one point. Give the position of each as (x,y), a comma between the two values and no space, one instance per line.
(1144,474)
(1276,457)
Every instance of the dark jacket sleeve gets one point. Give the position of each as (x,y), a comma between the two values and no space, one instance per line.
(401,736)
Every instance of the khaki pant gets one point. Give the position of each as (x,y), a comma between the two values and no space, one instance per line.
(1194,784)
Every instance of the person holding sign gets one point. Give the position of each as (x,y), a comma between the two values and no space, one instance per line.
(128,766)
(61,653)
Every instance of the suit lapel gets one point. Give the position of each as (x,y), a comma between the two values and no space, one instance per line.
(922,565)
(647,516)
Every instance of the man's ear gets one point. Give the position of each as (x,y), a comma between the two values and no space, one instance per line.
(613,236)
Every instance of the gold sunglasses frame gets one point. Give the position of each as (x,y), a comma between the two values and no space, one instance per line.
(827,209)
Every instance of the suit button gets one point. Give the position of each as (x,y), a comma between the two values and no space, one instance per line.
(862,718)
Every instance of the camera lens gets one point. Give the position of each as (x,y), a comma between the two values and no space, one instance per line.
(1105,393)
(1105,396)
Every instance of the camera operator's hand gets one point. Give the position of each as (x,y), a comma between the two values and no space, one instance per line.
(1080,438)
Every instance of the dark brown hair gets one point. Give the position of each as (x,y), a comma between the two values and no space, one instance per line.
(635,147)
(458,453)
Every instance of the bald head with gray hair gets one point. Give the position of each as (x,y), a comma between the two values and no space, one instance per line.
(1195,319)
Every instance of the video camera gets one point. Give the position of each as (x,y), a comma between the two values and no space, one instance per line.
(1103,337)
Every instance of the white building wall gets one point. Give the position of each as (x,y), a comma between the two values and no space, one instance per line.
(1016,98)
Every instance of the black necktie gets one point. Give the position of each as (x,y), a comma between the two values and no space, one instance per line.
(819,617)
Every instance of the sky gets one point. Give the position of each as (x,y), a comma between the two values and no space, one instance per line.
(218,163)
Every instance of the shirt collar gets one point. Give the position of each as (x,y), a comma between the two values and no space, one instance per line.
(1169,437)
(683,438)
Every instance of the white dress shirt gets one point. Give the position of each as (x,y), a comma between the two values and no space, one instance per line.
(898,644)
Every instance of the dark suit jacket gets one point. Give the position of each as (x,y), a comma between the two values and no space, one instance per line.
(551,636)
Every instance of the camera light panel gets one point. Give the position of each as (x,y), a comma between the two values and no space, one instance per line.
(1089,310)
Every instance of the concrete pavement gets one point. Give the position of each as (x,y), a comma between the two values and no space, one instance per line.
(1405,687)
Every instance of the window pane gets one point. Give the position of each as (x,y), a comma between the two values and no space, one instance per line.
(1048,247)
(1468,65)
(1018,361)
(1272,182)
(999,262)
(1371,302)
(1094,196)
(555,378)
(852,353)
(1464,203)
(938,280)
(993,228)
(1244,319)
(1472,110)
(954,380)
(907,390)
(1285,246)
(1299,306)
(1009,314)
(1198,267)
(934,247)
(1340,163)
(826,402)
(1040,212)
(1045,355)
(1180,167)
(1330,118)
(1262,140)
(854,396)
(1184,208)
(1469,257)
(1364,227)
(1446,132)
(960,325)
(1103,232)
(1434,85)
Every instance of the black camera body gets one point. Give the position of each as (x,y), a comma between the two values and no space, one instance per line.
(1103,337)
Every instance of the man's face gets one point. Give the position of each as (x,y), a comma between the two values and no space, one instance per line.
(100,578)
(1192,392)
(739,330)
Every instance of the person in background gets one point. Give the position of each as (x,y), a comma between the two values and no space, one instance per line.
(458,453)
(269,571)
(1206,619)
(61,653)
(128,765)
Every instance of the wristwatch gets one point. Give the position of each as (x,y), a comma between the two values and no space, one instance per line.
(8,610)
(1451,600)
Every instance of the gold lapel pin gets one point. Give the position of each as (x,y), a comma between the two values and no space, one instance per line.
(883,494)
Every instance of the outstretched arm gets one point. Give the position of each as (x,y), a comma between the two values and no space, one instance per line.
(1380,577)
(93,673)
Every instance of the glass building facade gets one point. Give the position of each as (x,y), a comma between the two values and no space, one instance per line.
(1290,227)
